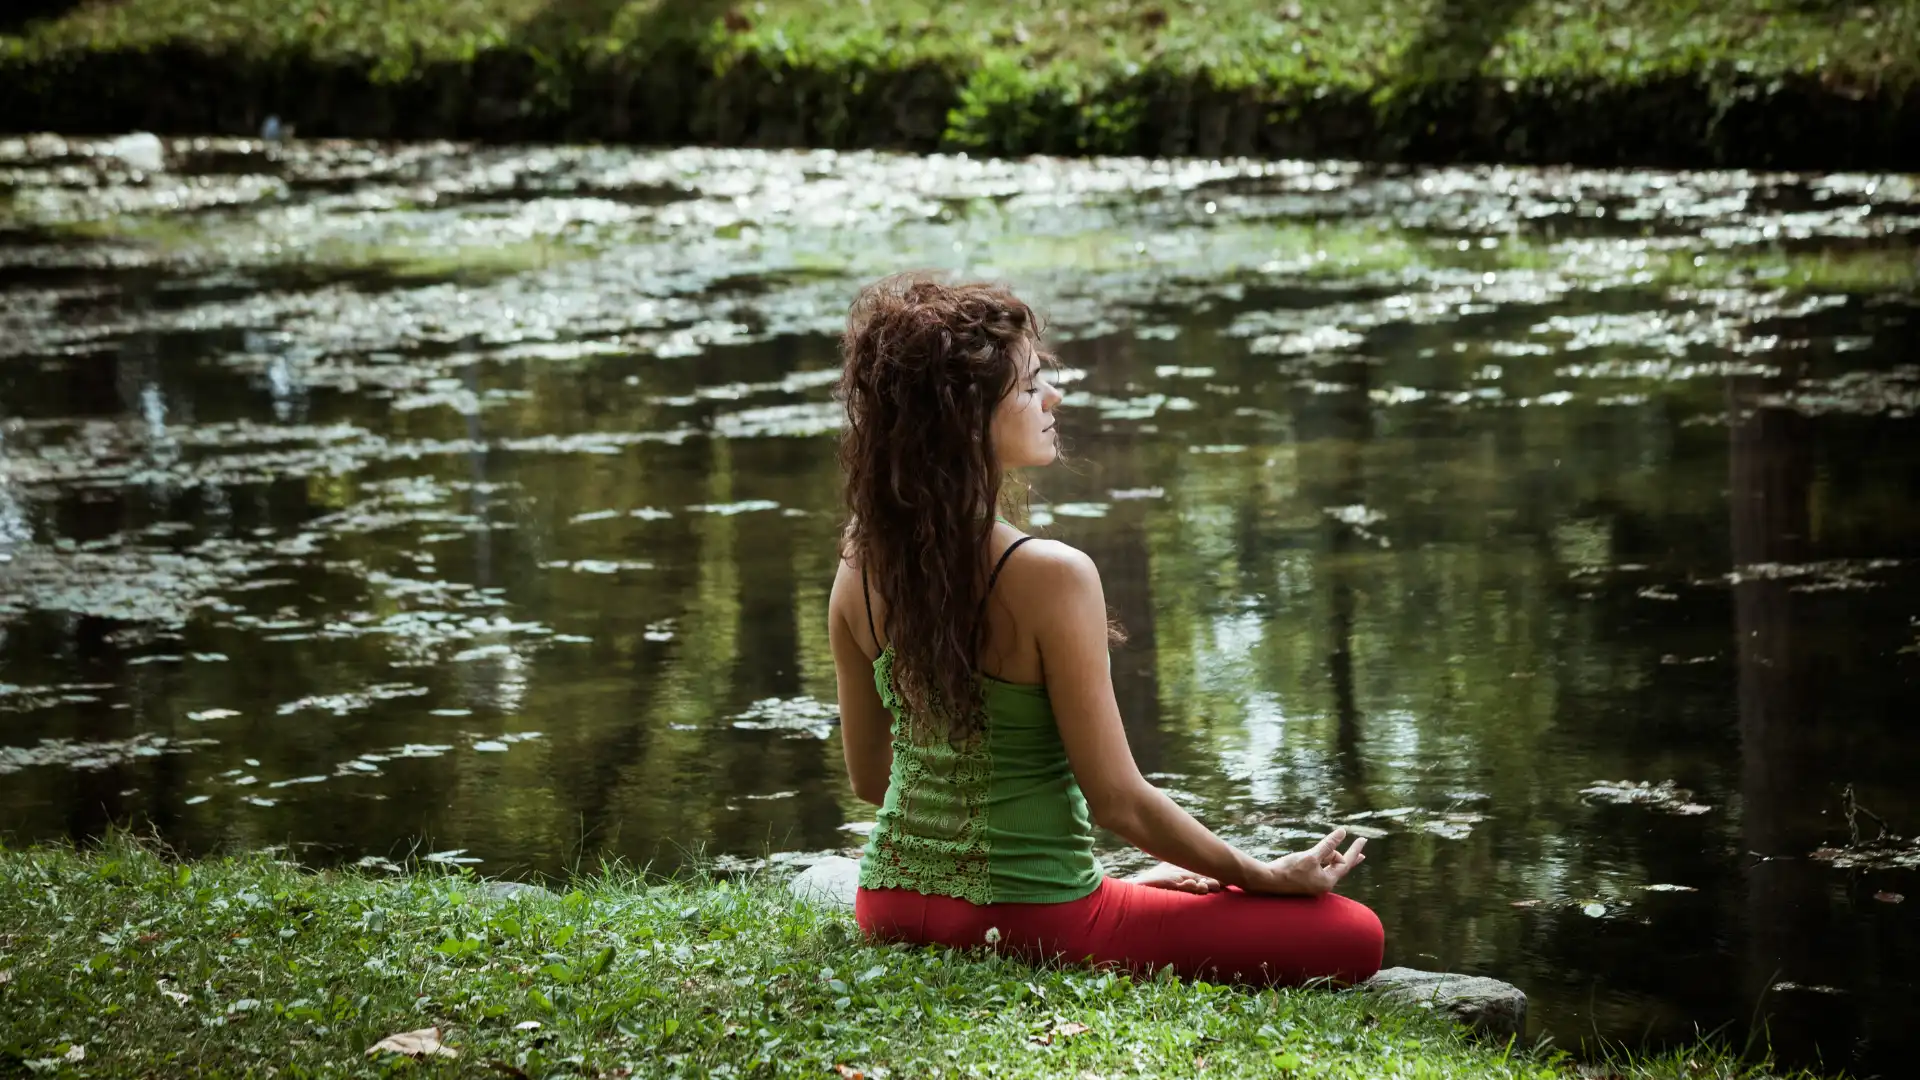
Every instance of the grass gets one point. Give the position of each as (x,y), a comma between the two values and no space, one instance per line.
(1051,75)
(1355,42)
(120,962)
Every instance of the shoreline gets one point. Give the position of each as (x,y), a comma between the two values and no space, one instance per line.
(691,73)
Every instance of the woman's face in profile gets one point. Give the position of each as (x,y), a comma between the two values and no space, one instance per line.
(1023,423)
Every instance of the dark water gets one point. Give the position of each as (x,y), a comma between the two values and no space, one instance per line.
(378,501)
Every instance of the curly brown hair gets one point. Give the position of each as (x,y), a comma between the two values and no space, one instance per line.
(926,365)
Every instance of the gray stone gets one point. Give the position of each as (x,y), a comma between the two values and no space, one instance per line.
(1489,1006)
(512,890)
(829,882)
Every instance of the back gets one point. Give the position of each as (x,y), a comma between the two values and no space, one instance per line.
(1009,652)
(998,817)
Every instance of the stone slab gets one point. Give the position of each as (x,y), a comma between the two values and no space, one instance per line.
(830,882)
(1488,1006)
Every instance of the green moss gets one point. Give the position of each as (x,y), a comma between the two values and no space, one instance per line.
(1344,250)
(471,263)
(424,259)
(1857,270)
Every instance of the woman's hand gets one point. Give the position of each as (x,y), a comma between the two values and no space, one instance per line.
(1169,876)
(1313,871)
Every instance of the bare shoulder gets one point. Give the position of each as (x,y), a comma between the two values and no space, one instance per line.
(846,583)
(1044,574)
(1052,558)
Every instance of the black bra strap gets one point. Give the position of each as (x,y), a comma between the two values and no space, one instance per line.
(1004,556)
(866,590)
(868,593)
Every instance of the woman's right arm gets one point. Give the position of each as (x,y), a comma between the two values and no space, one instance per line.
(1070,624)
(866,739)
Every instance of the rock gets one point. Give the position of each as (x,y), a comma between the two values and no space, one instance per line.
(829,882)
(1489,1006)
(142,150)
(513,890)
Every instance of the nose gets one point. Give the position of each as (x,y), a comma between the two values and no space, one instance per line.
(1052,399)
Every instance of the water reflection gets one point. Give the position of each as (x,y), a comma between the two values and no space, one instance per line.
(1419,519)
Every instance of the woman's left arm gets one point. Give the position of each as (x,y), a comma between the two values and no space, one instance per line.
(866,728)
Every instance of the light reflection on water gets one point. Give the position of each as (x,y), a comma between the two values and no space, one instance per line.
(363,498)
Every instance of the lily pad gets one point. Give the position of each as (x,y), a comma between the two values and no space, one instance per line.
(1664,796)
(799,717)
(356,701)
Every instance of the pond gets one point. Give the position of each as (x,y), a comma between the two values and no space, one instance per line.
(1554,528)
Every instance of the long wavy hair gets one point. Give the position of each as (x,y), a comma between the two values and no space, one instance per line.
(926,364)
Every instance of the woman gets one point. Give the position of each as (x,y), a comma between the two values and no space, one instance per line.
(976,702)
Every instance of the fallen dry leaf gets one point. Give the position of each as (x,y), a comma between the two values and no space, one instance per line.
(6,976)
(76,1053)
(848,1072)
(419,1044)
(1064,1031)
(1888,897)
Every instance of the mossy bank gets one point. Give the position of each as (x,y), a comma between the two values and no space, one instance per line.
(118,962)
(1752,83)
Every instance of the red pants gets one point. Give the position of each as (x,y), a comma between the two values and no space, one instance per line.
(1224,936)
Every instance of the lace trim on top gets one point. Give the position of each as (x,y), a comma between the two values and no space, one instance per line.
(931,836)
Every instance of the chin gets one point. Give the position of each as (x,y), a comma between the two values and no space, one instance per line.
(1044,451)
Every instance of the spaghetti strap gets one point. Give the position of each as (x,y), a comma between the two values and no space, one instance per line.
(1004,556)
(866,590)
(868,593)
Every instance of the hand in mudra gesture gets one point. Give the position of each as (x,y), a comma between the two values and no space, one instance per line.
(1313,871)
(1304,873)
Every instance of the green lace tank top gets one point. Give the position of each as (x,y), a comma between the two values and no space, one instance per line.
(996,819)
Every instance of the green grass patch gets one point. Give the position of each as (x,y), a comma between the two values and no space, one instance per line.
(1054,75)
(119,962)
(1353,42)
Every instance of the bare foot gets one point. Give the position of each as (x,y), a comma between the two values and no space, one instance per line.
(1169,876)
